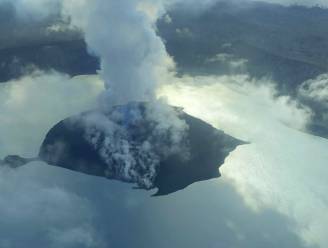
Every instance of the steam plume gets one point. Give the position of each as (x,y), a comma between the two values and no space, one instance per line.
(133,58)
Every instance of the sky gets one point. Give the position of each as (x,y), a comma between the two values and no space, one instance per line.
(272,192)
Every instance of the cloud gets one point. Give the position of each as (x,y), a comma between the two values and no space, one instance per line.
(184,32)
(60,217)
(38,101)
(75,237)
(235,64)
(37,211)
(78,11)
(198,6)
(233,99)
(316,90)
(307,3)
(283,168)
(42,205)
(34,9)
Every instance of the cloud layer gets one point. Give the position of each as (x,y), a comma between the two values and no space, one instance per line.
(48,206)
(38,101)
(283,168)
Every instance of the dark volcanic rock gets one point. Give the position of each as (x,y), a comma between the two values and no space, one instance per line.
(116,148)
(209,148)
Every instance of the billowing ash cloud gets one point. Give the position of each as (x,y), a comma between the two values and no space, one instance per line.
(133,63)
(133,139)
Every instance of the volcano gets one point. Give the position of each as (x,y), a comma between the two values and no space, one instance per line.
(123,143)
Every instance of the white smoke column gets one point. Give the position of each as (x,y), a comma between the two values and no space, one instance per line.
(133,58)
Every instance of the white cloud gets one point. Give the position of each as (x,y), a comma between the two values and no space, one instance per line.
(168,19)
(38,101)
(283,168)
(235,64)
(34,9)
(184,32)
(32,205)
(32,202)
(316,90)
(315,93)
(232,100)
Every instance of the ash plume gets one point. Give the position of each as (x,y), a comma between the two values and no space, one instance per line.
(123,35)
(134,62)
